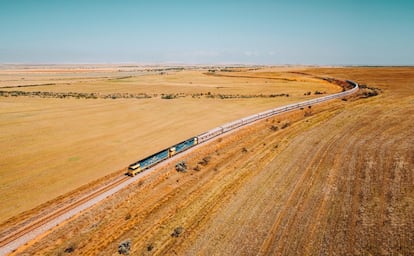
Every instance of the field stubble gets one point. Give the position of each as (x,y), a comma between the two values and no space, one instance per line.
(51,146)
(338,181)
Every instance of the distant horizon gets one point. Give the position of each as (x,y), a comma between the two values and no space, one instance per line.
(260,32)
(195,64)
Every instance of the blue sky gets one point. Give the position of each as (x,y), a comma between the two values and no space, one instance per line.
(335,32)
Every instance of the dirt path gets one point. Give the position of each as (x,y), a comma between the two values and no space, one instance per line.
(337,182)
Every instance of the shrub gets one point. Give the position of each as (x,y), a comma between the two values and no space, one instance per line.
(205,161)
(285,125)
(124,247)
(181,167)
(274,128)
(70,249)
(177,231)
(167,96)
(367,91)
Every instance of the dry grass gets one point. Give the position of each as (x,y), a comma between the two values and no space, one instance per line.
(339,182)
(51,146)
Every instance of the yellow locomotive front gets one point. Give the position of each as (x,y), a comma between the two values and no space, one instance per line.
(134,169)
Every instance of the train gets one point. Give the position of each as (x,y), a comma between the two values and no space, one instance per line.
(148,162)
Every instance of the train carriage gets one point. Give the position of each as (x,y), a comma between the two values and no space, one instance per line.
(233,125)
(182,146)
(250,119)
(210,134)
(148,162)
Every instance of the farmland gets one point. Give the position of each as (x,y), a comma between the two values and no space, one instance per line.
(57,140)
(336,180)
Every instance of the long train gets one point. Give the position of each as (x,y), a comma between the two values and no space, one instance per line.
(156,158)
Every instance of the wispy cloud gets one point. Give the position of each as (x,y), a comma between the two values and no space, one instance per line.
(251,53)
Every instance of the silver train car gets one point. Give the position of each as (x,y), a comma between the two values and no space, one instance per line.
(156,158)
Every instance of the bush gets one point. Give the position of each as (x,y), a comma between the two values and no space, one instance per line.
(274,128)
(124,247)
(167,96)
(205,161)
(371,93)
(177,232)
(367,91)
(70,249)
(285,125)
(181,167)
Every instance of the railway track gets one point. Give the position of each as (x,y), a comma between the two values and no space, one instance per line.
(17,238)
(20,233)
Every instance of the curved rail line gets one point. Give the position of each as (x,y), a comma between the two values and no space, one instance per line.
(11,242)
(272,112)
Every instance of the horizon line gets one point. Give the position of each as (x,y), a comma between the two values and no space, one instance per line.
(196,64)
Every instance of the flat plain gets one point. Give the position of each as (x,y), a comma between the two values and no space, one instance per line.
(62,127)
(336,180)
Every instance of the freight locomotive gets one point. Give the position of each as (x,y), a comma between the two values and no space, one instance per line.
(156,158)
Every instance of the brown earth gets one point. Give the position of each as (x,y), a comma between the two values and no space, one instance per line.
(336,182)
(52,146)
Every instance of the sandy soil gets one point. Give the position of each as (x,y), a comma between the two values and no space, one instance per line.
(51,146)
(337,182)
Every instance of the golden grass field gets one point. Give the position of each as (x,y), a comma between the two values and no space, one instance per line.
(51,146)
(337,182)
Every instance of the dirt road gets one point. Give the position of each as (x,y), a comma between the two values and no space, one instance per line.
(338,181)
